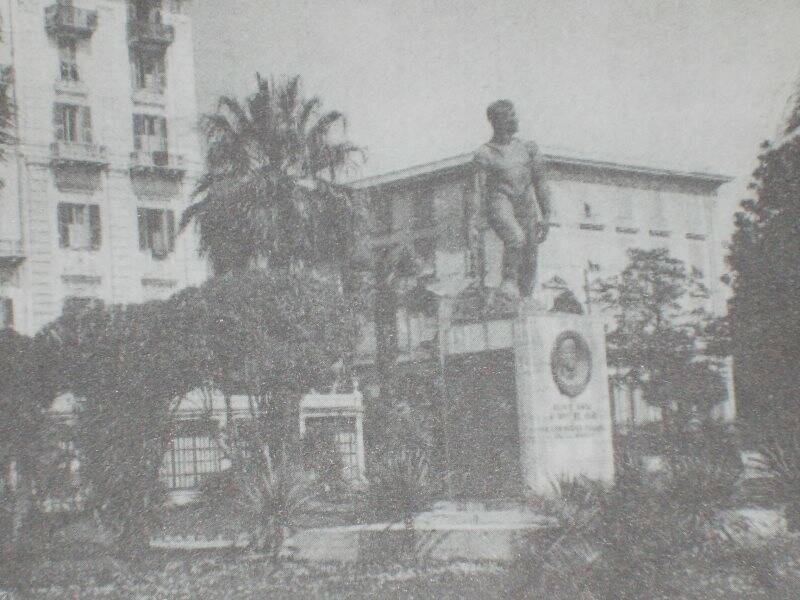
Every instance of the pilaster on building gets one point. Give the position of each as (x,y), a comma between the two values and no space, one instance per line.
(106,156)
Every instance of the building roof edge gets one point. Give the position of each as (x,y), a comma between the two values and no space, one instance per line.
(462,160)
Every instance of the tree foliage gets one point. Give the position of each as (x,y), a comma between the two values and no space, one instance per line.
(27,388)
(765,306)
(127,370)
(658,339)
(270,194)
(271,336)
(7,109)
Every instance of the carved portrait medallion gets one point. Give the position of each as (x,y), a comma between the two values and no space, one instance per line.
(571,363)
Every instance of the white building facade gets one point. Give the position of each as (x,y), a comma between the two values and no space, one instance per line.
(600,210)
(106,158)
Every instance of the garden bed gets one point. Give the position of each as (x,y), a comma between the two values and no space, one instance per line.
(235,575)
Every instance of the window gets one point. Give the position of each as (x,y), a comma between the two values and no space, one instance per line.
(423,209)
(147,10)
(192,455)
(382,212)
(425,254)
(67,55)
(149,133)
(335,433)
(624,204)
(156,231)
(149,71)
(74,305)
(79,226)
(698,259)
(73,123)
(6,313)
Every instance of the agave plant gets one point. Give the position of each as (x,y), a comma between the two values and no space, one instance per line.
(400,485)
(271,499)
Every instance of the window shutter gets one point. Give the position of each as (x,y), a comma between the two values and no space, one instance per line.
(138,131)
(94,223)
(86,125)
(170,230)
(58,122)
(6,313)
(163,128)
(142,229)
(63,225)
(161,73)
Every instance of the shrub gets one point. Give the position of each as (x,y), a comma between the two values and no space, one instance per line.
(399,485)
(779,464)
(623,544)
(556,564)
(399,477)
(218,489)
(265,499)
(270,500)
(322,457)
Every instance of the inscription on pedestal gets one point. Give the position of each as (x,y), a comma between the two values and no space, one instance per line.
(568,421)
(562,400)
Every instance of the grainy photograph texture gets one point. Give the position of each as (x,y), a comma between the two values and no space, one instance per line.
(400,299)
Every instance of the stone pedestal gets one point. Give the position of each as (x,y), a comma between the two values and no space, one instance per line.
(563,405)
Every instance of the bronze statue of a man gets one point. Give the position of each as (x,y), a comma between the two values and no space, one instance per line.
(515,196)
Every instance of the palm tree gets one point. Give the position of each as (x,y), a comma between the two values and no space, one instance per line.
(269,196)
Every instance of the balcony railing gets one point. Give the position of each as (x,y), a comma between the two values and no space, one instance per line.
(160,161)
(11,252)
(63,20)
(65,153)
(149,95)
(152,34)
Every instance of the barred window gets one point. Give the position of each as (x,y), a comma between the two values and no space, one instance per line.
(193,454)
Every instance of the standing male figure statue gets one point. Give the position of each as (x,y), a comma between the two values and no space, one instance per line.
(515,196)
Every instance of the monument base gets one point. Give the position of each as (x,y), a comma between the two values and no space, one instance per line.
(563,404)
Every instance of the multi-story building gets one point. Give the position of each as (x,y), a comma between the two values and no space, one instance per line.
(106,156)
(600,210)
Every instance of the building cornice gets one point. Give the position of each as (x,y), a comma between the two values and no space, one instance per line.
(461,162)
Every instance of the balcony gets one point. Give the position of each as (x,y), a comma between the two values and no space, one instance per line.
(78,154)
(11,253)
(152,95)
(159,162)
(71,87)
(146,33)
(61,20)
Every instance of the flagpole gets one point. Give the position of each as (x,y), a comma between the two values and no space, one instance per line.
(586,290)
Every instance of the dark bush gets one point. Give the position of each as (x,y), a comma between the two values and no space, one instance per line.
(399,485)
(624,544)
(778,460)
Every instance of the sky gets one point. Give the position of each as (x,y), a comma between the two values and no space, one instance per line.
(688,84)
